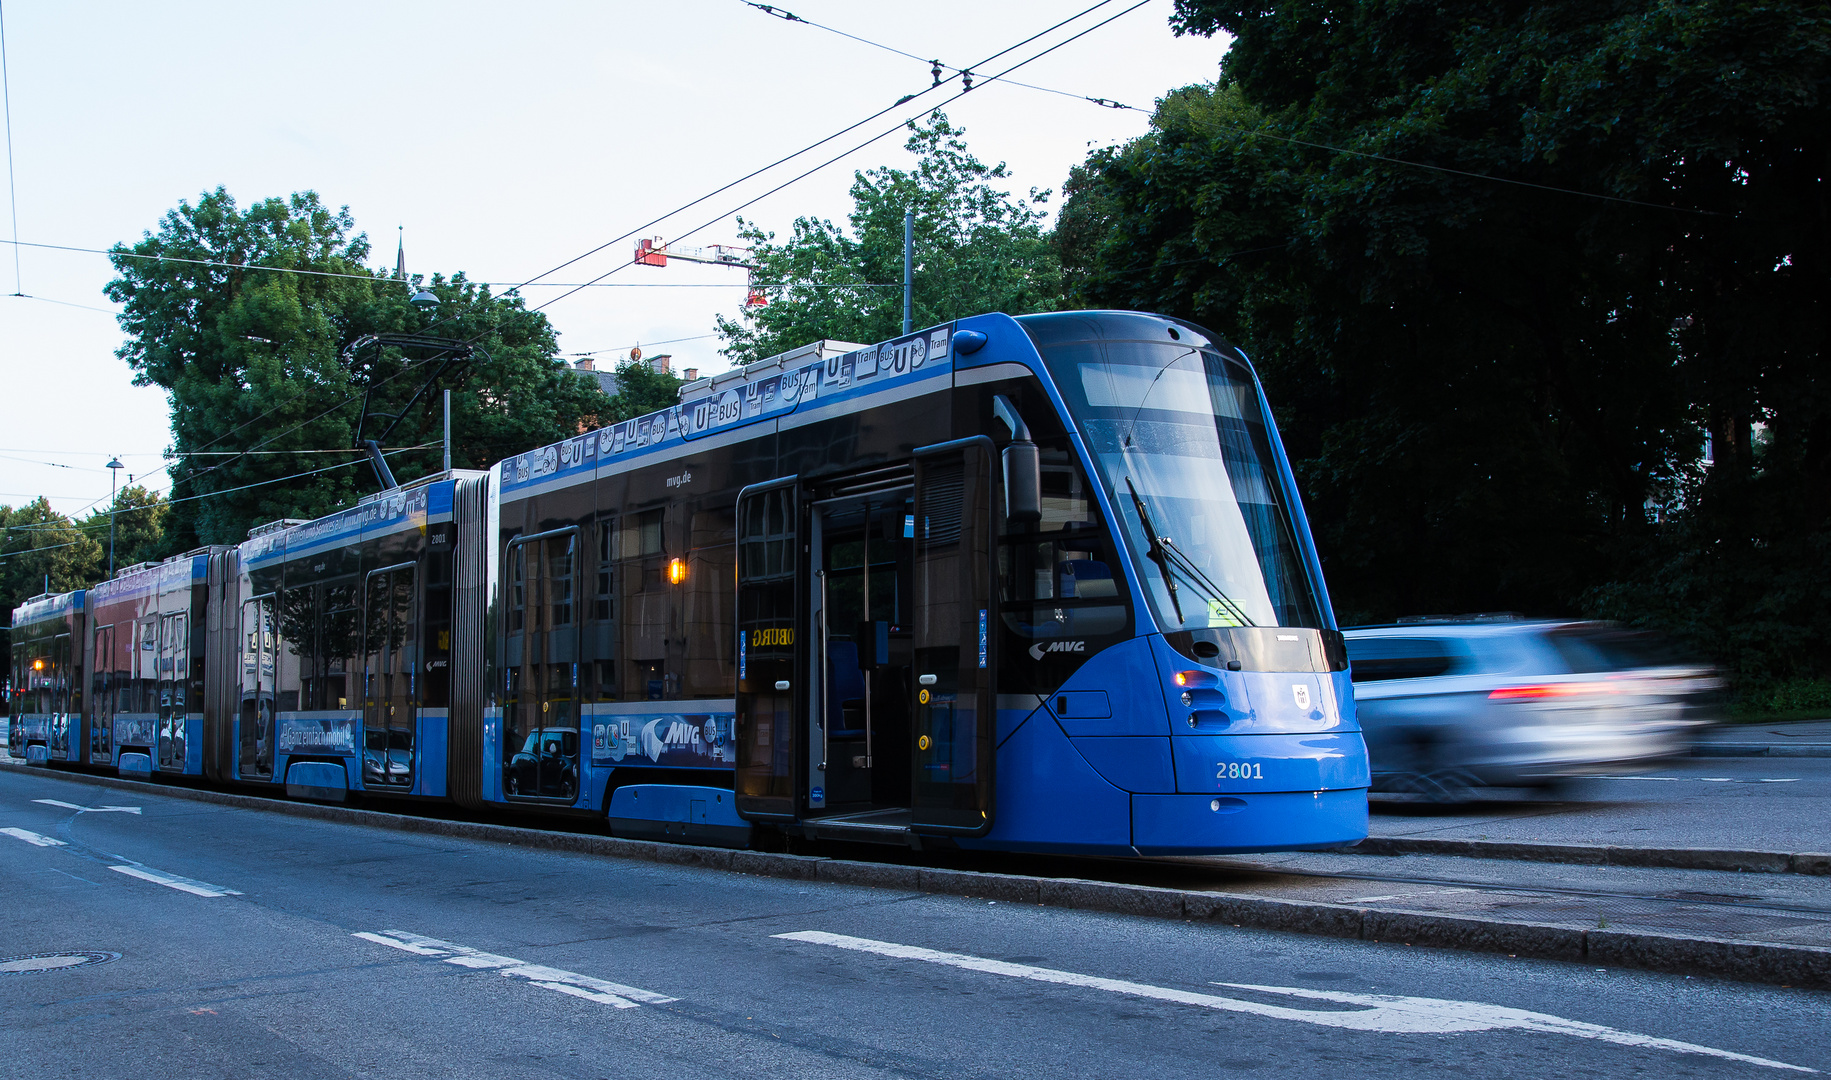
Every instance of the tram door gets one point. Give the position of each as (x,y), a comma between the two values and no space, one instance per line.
(389,672)
(102,698)
(859,599)
(954,705)
(255,754)
(767,747)
(540,705)
(63,729)
(175,680)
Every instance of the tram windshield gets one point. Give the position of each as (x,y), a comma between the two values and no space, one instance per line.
(1177,432)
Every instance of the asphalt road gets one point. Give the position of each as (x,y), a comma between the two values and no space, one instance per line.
(1745,804)
(258,945)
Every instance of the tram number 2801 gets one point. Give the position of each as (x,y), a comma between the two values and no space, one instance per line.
(1239,770)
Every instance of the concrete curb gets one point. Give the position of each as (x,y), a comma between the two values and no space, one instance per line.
(1751,862)
(1751,961)
(1760,750)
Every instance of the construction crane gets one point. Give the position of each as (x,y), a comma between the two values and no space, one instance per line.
(656,252)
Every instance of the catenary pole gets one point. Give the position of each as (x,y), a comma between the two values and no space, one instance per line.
(908,265)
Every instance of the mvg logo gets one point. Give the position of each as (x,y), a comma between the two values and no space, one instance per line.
(1037,650)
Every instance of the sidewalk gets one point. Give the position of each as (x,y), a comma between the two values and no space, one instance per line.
(1798,738)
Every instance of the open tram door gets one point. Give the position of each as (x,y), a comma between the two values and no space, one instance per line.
(954,711)
(769,778)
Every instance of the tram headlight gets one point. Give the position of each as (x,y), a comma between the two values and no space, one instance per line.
(1188,699)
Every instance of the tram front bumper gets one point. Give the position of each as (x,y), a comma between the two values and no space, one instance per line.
(1242,793)
(1236,824)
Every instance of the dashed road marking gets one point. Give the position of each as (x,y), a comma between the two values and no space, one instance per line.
(33,838)
(173,881)
(1376,1012)
(89,809)
(1709,779)
(564,982)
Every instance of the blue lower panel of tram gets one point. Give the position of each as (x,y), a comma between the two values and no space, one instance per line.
(705,815)
(1157,795)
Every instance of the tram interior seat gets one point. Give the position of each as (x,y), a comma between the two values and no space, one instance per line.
(845,700)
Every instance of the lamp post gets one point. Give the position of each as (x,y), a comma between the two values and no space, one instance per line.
(114,477)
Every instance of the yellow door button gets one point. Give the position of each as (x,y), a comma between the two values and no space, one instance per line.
(922,697)
(922,743)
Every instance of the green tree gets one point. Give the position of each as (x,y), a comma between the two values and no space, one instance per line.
(255,362)
(977,249)
(1504,270)
(641,390)
(139,528)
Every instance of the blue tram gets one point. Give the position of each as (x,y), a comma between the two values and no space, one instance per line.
(1038,583)
(47,707)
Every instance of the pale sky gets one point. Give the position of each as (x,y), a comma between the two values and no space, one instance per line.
(505,138)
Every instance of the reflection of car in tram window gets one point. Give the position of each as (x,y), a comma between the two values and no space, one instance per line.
(387,757)
(547,764)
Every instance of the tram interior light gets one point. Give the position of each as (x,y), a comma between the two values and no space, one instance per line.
(677,571)
(38,665)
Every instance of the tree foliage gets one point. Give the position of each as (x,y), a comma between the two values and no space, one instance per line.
(138,525)
(1507,270)
(977,249)
(641,390)
(262,390)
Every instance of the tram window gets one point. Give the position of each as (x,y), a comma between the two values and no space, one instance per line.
(648,532)
(435,684)
(766,536)
(600,653)
(1059,579)
(146,667)
(337,625)
(602,605)
(559,583)
(299,629)
(518,587)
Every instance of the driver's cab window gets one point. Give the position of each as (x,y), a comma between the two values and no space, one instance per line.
(1061,591)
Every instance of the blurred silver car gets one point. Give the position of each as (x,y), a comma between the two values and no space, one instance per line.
(1450,705)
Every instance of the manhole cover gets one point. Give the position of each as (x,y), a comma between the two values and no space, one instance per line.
(38,963)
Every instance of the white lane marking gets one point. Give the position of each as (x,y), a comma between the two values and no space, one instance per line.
(1708,779)
(565,982)
(89,809)
(31,837)
(173,881)
(1497,1017)
(1382,1012)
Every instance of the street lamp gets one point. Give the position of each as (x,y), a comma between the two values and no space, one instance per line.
(424,300)
(114,476)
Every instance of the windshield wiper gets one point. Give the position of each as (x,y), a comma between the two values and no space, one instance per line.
(1204,582)
(1156,551)
(1171,560)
